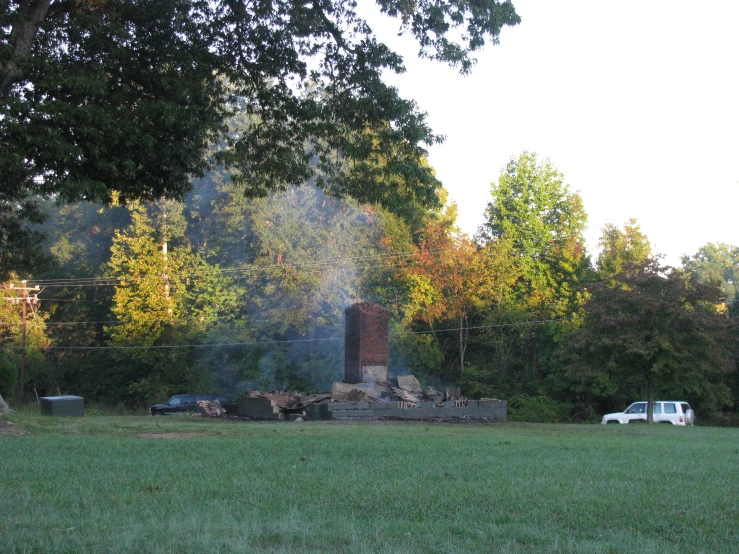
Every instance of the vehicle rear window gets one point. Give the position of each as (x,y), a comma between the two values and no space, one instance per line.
(670,408)
(685,407)
(181,399)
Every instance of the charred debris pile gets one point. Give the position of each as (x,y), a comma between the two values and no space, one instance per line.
(367,393)
(395,398)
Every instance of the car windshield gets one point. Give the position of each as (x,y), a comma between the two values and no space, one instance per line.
(175,401)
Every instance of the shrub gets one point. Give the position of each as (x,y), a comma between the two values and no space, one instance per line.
(8,376)
(537,409)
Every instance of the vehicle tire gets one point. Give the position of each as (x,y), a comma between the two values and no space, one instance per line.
(612,421)
(637,421)
(690,417)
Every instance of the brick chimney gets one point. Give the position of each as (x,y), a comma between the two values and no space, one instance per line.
(366,348)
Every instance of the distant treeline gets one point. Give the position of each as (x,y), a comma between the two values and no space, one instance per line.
(223,293)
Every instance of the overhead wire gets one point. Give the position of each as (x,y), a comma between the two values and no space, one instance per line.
(282,270)
(243,270)
(290,341)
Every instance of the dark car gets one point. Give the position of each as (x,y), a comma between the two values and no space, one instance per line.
(188,402)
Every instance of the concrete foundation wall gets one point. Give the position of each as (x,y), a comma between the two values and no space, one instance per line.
(265,408)
(493,410)
(259,408)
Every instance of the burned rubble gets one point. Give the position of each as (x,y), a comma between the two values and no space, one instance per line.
(390,399)
(367,393)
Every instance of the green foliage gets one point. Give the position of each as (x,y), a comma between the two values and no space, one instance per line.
(79,236)
(537,409)
(314,250)
(717,264)
(380,281)
(277,289)
(622,250)
(37,372)
(99,99)
(535,214)
(8,376)
(450,281)
(258,288)
(311,256)
(417,354)
(20,250)
(534,209)
(657,331)
(165,299)
(281,307)
(232,369)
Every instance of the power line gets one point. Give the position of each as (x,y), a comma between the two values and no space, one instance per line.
(177,346)
(257,343)
(248,269)
(494,326)
(532,322)
(90,300)
(48,323)
(285,270)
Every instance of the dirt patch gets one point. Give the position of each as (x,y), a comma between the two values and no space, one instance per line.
(7,428)
(170,435)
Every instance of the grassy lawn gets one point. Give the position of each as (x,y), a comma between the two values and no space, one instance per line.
(185,484)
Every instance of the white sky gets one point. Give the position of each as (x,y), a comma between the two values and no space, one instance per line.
(635,102)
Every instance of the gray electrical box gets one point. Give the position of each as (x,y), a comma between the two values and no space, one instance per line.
(62,405)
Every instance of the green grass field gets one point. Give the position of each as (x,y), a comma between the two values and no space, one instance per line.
(185,484)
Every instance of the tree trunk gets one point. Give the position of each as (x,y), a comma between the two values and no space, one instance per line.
(433,333)
(650,400)
(25,24)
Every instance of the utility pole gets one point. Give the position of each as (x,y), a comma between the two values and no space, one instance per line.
(25,300)
(165,275)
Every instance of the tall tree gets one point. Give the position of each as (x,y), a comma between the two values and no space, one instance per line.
(166,299)
(622,248)
(451,278)
(118,96)
(659,328)
(717,263)
(535,211)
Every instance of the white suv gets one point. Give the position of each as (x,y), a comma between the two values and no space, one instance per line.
(677,412)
